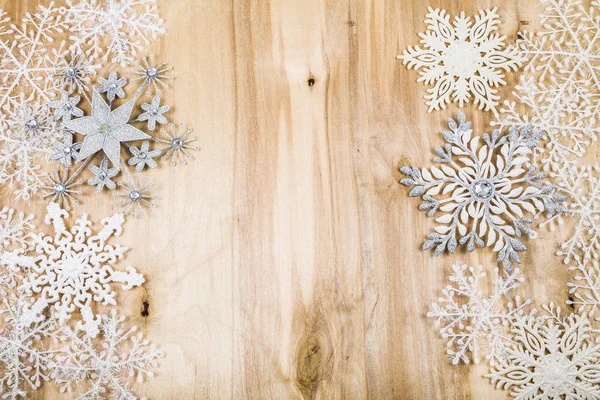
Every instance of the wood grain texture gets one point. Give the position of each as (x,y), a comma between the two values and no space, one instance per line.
(286,261)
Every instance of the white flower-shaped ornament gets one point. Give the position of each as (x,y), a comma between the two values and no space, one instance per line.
(462,59)
(484,191)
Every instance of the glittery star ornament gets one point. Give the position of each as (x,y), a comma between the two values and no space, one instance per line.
(106,129)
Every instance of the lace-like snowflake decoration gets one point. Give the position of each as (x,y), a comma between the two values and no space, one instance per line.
(25,362)
(462,59)
(73,269)
(113,29)
(483,191)
(14,229)
(473,321)
(553,358)
(121,354)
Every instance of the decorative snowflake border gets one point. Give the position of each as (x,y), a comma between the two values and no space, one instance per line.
(462,59)
(483,191)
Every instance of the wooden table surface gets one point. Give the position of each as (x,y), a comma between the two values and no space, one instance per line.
(286,261)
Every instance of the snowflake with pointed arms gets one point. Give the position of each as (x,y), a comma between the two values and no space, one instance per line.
(25,362)
(14,229)
(561,89)
(121,354)
(113,29)
(471,319)
(74,268)
(462,59)
(483,191)
(553,357)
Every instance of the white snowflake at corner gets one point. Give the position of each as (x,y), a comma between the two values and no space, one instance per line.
(105,367)
(114,30)
(553,357)
(483,191)
(561,84)
(74,268)
(473,321)
(462,59)
(25,362)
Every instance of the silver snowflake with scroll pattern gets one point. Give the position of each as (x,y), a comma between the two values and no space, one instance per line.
(483,191)
(553,357)
(462,59)
(474,322)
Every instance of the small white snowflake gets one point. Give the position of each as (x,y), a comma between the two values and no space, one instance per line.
(73,269)
(462,59)
(115,30)
(15,228)
(104,368)
(25,362)
(483,191)
(471,319)
(553,357)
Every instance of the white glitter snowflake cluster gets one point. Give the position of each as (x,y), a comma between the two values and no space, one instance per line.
(483,191)
(54,277)
(462,59)
(474,322)
(552,357)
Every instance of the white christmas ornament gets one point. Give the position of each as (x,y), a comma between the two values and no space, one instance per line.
(462,59)
(473,321)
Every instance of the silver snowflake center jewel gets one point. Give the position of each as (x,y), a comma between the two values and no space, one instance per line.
(67,150)
(113,85)
(102,176)
(70,73)
(135,196)
(483,190)
(152,72)
(59,188)
(142,155)
(32,125)
(177,143)
(67,106)
(462,59)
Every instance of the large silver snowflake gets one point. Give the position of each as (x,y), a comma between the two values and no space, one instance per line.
(462,59)
(474,322)
(483,191)
(116,30)
(105,368)
(73,269)
(553,357)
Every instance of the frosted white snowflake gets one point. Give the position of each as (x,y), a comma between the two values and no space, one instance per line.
(471,319)
(25,362)
(113,29)
(462,58)
(104,368)
(561,88)
(553,357)
(483,191)
(73,269)
(15,228)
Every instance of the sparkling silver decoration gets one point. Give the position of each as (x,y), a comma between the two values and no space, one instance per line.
(154,113)
(177,144)
(105,129)
(136,195)
(483,191)
(151,75)
(113,86)
(74,74)
(102,176)
(65,150)
(143,156)
(61,190)
(66,107)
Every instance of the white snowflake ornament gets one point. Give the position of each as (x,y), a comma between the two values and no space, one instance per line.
(473,321)
(105,369)
(483,193)
(15,228)
(552,357)
(74,268)
(462,59)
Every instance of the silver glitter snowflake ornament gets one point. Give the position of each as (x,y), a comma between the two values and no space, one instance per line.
(153,113)
(113,86)
(462,59)
(143,157)
(103,176)
(66,108)
(62,190)
(106,129)
(177,144)
(483,191)
(151,76)
(65,150)
(136,195)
